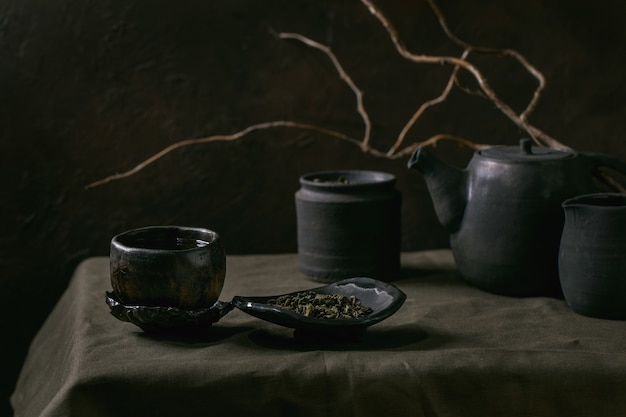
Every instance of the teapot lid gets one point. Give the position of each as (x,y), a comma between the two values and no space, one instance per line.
(525,152)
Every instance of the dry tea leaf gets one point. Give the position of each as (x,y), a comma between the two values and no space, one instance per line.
(322,306)
(340,180)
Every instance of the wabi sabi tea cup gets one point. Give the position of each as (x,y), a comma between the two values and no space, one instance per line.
(168,266)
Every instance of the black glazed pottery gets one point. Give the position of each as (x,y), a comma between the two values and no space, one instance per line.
(168,266)
(592,259)
(503,212)
(153,319)
(348,225)
(384,299)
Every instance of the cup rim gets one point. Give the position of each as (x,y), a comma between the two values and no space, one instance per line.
(123,240)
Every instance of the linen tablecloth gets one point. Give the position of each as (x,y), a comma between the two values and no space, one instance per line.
(451,350)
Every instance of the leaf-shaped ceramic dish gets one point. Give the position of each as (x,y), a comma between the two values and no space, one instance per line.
(384,299)
(166,319)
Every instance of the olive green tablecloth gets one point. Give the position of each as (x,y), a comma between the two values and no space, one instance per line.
(451,350)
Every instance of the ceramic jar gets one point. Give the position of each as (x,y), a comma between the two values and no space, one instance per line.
(348,225)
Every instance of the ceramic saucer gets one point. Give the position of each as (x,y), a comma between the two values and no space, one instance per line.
(166,319)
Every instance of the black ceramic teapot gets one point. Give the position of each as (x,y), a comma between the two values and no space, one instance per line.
(503,212)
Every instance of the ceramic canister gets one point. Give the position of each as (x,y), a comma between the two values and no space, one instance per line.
(348,225)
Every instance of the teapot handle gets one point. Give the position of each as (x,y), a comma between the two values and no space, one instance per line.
(607,161)
(601,160)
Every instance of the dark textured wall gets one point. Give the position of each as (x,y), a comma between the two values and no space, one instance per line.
(89,88)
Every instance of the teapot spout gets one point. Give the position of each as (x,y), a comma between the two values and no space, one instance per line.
(447,186)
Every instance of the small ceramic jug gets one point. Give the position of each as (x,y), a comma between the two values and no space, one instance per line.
(592,257)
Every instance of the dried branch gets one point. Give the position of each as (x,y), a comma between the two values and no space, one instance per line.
(538,135)
(521,120)
(344,76)
(214,138)
(433,140)
(441,98)
(510,52)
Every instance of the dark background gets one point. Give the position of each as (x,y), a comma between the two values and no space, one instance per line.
(90,88)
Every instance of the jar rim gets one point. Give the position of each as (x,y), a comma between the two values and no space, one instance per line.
(347,178)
